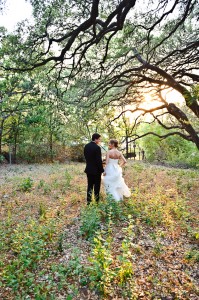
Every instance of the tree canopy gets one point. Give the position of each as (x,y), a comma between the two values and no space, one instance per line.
(87,56)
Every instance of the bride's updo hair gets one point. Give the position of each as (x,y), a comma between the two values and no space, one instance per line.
(114,142)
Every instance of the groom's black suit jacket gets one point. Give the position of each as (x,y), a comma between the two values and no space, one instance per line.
(93,156)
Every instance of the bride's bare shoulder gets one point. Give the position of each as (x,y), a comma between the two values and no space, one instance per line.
(119,153)
(114,153)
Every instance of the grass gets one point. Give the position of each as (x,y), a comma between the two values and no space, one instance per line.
(52,246)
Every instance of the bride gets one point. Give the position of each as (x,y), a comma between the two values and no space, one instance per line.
(112,176)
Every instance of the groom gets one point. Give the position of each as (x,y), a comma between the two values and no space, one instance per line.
(94,168)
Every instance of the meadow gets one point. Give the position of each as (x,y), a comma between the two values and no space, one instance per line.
(53,246)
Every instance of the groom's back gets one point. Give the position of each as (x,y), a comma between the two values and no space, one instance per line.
(92,154)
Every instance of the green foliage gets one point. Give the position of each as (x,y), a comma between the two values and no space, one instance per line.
(93,215)
(42,210)
(67,179)
(40,261)
(60,243)
(29,242)
(45,119)
(125,269)
(110,205)
(41,183)
(90,221)
(156,210)
(193,232)
(173,149)
(192,255)
(101,273)
(1,158)
(105,269)
(26,185)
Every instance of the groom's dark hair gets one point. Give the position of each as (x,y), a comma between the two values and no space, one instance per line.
(95,136)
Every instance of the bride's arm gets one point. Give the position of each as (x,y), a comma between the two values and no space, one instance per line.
(107,159)
(123,160)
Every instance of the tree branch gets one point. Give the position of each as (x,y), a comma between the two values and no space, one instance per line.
(190,101)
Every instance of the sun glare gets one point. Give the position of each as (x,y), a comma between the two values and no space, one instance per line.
(171,95)
(150,102)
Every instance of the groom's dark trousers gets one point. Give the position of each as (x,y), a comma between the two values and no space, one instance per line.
(94,169)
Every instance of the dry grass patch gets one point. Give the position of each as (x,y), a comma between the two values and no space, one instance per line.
(55,247)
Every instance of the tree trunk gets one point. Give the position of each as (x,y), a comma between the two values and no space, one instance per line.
(51,146)
(15,146)
(182,118)
(1,135)
(51,139)
(0,141)
(127,147)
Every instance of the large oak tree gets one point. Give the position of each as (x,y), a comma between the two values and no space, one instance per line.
(113,53)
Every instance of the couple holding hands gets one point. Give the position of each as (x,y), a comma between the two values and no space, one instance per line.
(112,173)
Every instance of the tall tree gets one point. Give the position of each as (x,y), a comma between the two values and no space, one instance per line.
(151,59)
(112,54)
(70,27)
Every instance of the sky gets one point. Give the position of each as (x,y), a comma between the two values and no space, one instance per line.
(14,12)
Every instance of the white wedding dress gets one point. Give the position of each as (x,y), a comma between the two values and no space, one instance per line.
(114,182)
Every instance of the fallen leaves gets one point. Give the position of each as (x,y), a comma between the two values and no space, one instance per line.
(164,206)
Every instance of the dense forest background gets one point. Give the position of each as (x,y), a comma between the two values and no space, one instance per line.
(125,69)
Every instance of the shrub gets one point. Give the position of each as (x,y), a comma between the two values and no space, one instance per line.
(90,221)
(26,185)
(29,242)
